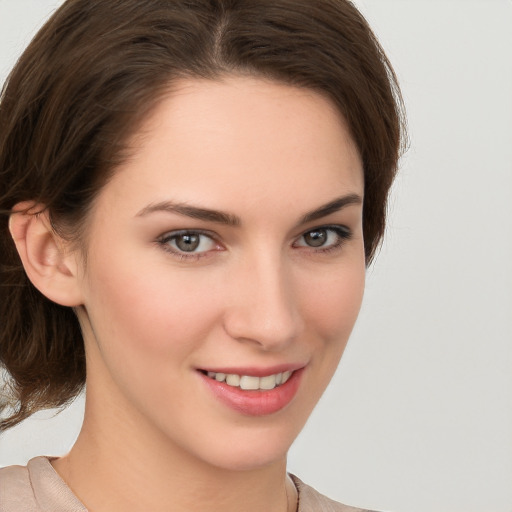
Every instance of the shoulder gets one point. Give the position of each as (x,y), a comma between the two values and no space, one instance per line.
(16,494)
(36,488)
(310,500)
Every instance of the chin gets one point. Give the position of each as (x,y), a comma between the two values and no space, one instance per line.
(244,449)
(249,458)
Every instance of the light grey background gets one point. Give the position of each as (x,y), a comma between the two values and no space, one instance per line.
(419,416)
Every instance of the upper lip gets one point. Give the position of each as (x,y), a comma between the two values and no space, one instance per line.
(254,371)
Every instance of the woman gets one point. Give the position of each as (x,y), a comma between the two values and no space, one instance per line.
(191,192)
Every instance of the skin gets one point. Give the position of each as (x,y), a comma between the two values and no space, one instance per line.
(258,295)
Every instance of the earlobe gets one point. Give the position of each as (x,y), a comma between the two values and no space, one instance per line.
(49,264)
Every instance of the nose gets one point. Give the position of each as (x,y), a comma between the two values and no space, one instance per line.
(264,307)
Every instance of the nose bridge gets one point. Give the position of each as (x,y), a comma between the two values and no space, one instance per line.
(264,308)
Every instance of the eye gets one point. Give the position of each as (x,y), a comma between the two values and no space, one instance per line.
(324,238)
(188,243)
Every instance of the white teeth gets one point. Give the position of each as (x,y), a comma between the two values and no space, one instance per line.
(268,382)
(233,380)
(249,382)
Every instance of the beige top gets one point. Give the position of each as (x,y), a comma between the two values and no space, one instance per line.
(38,488)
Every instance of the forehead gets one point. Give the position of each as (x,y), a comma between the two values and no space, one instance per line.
(242,141)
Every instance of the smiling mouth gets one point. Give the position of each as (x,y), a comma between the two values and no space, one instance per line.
(250,382)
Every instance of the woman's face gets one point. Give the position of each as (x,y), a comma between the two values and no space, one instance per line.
(230,243)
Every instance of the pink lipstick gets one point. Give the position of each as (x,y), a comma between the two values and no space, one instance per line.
(254,392)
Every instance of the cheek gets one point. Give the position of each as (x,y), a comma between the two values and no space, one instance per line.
(148,309)
(331,308)
(333,305)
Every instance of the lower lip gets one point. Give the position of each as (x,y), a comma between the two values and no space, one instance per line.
(255,403)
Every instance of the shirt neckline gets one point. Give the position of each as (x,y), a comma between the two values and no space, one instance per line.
(51,491)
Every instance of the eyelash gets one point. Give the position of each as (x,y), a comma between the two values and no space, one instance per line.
(342,232)
(182,255)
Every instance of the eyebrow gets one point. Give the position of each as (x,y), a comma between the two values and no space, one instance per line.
(331,207)
(193,212)
(229,219)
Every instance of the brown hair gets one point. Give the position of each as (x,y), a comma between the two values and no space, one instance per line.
(89,77)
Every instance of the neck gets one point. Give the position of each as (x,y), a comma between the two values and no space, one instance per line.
(115,467)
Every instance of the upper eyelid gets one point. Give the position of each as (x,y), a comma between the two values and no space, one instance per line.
(217,239)
(328,226)
(213,234)
(332,227)
(184,255)
(337,228)
(195,231)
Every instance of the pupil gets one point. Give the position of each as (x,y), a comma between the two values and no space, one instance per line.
(316,238)
(188,243)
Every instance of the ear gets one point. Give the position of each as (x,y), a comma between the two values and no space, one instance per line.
(48,261)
